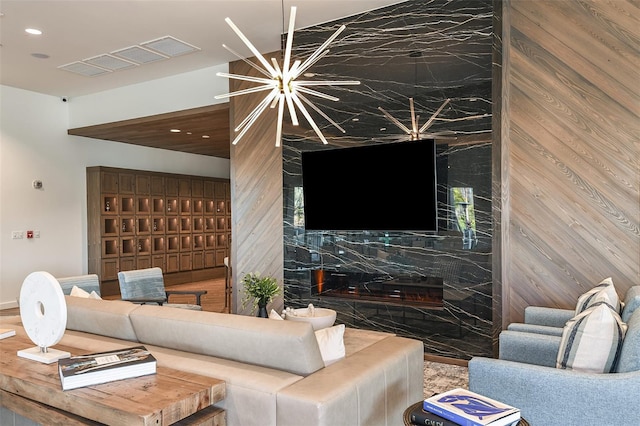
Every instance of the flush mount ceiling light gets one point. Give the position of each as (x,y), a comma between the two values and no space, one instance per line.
(415,132)
(282,84)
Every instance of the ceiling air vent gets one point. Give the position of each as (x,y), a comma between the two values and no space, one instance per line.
(84,69)
(170,46)
(109,62)
(139,55)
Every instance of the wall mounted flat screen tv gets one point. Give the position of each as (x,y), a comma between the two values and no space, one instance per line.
(380,187)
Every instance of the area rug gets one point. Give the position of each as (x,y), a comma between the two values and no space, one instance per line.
(439,377)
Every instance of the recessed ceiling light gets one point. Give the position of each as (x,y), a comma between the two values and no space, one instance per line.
(33,31)
(205,136)
(175,130)
(40,55)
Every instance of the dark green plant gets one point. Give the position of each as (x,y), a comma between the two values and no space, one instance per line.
(259,290)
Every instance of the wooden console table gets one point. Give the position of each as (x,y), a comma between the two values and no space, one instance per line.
(170,396)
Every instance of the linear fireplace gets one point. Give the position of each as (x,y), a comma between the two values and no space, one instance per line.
(404,290)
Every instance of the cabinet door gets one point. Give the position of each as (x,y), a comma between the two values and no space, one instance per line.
(110,268)
(109,182)
(185,261)
(143,262)
(198,259)
(184,187)
(173,264)
(197,188)
(157,185)
(127,183)
(127,264)
(143,184)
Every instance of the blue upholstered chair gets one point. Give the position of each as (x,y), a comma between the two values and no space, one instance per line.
(146,286)
(88,283)
(525,376)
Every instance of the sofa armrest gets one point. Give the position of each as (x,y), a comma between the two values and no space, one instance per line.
(551,317)
(529,348)
(534,328)
(549,396)
(372,386)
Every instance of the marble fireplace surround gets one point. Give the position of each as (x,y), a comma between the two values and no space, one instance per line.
(430,51)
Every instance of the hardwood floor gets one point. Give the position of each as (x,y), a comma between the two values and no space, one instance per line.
(213,301)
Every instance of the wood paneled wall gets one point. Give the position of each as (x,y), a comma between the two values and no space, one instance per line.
(570,151)
(256,187)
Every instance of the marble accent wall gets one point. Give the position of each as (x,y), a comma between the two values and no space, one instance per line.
(430,51)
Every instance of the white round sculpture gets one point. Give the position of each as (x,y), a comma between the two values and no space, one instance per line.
(318,317)
(43,311)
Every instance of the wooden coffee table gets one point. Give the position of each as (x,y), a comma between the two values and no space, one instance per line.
(170,396)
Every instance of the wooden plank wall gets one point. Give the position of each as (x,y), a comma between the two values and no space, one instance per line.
(256,193)
(570,150)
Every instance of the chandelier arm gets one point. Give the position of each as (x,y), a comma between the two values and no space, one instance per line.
(287,52)
(395,121)
(326,83)
(251,47)
(433,117)
(308,64)
(292,109)
(280,99)
(262,70)
(319,51)
(316,93)
(294,69)
(414,123)
(309,119)
(470,117)
(276,66)
(254,116)
(244,91)
(260,107)
(246,78)
(319,111)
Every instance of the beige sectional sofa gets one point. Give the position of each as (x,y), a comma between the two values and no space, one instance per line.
(273,370)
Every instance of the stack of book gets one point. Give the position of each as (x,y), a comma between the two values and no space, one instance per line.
(463,407)
(103,367)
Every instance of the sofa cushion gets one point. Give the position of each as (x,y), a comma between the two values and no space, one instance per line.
(631,302)
(284,345)
(331,343)
(592,340)
(630,353)
(603,291)
(105,317)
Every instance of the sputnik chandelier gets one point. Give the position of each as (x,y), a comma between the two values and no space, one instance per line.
(282,84)
(415,132)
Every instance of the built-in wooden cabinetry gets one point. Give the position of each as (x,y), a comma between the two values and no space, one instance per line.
(139,219)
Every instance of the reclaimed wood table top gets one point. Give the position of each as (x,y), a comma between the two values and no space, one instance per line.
(163,398)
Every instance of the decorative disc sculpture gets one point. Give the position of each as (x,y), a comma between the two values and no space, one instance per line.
(43,311)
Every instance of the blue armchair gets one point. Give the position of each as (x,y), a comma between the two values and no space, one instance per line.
(147,286)
(88,283)
(525,377)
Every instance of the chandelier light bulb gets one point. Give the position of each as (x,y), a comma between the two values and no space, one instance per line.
(282,85)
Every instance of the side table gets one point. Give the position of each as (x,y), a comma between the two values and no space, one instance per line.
(406,416)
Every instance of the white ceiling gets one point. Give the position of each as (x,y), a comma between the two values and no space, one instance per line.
(74,30)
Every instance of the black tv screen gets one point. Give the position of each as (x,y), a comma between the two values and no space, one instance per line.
(381,187)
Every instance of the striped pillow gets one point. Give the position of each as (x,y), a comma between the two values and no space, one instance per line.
(605,291)
(591,341)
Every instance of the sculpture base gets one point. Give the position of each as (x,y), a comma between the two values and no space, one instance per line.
(35,354)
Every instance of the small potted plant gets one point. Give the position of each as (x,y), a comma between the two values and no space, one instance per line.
(259,291)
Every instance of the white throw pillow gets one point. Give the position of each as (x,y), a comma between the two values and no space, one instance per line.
(94,295)
(592,340)
(274,315)
(331,343)
(78,292)
(604,291)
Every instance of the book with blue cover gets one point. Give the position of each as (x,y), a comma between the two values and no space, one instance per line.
(471,409)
